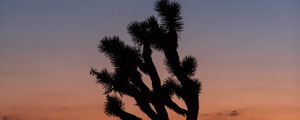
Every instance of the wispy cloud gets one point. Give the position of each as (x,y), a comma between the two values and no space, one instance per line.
(256,113)
(224,115)
(234,113)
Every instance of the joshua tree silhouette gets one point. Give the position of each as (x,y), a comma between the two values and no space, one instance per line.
(130,62)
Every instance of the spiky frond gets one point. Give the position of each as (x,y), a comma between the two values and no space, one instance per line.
(191,88)
(156,33)
(197,85)
(114,82)
(153,24)
(104,78)
(170,14)
(138,31)
(147,31)
(170,86)
(123,84)
(113,106)
(189,65)
(122,56)
(111,46)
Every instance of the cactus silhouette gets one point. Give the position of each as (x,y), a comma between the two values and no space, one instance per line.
(131,62)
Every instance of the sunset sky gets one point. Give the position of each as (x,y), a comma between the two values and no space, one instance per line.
(247,51)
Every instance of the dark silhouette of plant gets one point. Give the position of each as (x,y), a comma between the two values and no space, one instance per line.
(130,62)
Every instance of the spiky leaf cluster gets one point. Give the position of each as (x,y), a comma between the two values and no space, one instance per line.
(104,78)
(189,65)
(170,14)
(170,86)
(113,105)
(147,32)
(121,56)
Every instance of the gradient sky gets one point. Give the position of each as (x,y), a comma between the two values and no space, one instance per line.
(248,54)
